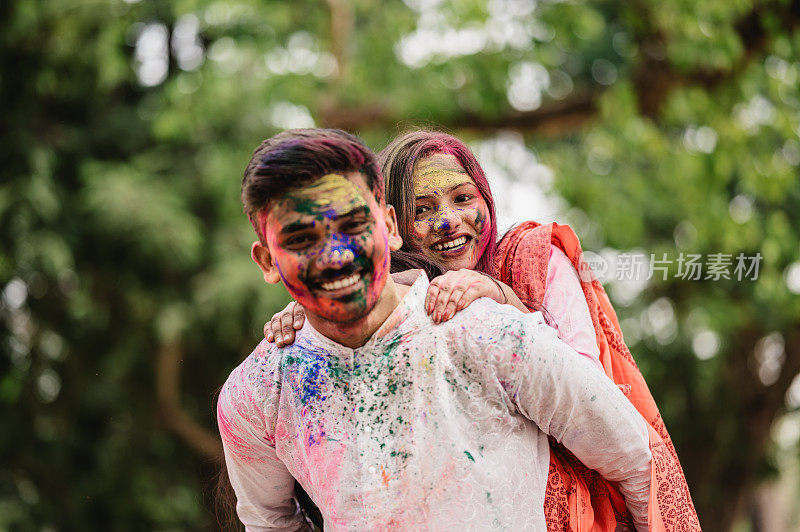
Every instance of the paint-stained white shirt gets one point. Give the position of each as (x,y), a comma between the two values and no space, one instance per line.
(425,427)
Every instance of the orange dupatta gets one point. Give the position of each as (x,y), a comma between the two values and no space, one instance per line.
(577,498)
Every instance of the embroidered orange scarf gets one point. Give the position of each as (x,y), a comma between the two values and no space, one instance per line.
(577,498)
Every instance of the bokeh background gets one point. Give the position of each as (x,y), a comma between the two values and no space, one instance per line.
(653,127)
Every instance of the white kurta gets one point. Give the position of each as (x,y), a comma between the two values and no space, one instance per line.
(425,427)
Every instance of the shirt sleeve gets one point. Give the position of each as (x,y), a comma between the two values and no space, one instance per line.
(570,400)
(264,487)
(565,301)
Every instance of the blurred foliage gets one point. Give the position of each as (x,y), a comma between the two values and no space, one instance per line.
(670,126)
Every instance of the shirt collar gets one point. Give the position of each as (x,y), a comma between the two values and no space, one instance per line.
(408,315)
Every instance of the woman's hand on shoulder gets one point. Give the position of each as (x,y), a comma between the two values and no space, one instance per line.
(457,289)
(281,328)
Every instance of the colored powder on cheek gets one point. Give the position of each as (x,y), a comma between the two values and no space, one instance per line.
(484,229)
(293,289)
(480,219)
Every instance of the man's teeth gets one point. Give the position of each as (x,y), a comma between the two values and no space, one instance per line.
(452,244)
(342,283)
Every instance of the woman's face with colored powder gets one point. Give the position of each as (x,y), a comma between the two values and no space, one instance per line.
(329,243)
(451,222)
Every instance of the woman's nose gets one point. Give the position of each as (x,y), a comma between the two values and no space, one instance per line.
(446,220)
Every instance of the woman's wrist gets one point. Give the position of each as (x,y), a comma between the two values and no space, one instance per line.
(499,287)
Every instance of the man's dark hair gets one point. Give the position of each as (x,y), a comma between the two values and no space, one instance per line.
(296,158)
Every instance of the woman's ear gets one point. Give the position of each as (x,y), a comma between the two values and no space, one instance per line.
(263,258)
(395,240)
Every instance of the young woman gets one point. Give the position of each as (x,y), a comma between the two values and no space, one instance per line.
(446,214)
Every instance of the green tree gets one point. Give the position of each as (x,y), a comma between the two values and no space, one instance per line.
(127,292)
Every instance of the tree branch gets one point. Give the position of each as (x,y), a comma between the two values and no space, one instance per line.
(168,372)
(555,119)
(654,78)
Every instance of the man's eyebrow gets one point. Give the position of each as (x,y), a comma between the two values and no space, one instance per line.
(352,213)
(450,189)
(295,227)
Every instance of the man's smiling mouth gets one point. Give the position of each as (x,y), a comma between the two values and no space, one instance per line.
(341,283)
(460,241)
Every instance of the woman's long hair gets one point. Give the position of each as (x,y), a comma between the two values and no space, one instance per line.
(405,260)
(397,161)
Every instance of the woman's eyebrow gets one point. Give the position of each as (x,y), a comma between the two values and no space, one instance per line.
(447,191)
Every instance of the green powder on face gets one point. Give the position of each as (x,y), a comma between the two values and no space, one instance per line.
(469,456)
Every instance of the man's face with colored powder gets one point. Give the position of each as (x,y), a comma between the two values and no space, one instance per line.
(329,243)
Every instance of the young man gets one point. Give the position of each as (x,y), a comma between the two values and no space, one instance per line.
(387,420)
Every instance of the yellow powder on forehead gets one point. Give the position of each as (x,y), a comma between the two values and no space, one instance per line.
(438,173)
(331,188)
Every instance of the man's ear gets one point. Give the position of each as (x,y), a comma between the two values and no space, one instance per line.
(263,258)
(395,240)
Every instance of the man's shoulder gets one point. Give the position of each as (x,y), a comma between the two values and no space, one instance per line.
(264,352)
(485,318)
(268,358)
(264,359)
(248,401)
(485,310)
(256,380)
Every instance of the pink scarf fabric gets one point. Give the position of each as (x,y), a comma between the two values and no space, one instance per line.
(577,498)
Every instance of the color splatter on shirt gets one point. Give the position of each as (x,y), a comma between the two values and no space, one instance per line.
(425,426)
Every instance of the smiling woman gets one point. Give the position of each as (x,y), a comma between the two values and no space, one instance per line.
(450,215)
(446,212)
(419,167)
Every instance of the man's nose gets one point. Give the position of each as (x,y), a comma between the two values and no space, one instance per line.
(335,254)
(446,220)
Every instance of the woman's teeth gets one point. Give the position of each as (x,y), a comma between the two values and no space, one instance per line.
(452,244)
(342,283)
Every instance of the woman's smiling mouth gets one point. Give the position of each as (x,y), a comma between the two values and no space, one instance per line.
(451,244)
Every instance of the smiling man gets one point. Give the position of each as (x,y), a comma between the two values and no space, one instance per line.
(329,244)
(387,420)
